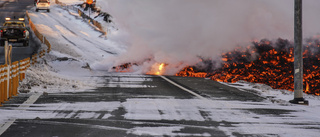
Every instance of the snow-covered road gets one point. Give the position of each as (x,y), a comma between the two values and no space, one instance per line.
(71,99)
(136,105)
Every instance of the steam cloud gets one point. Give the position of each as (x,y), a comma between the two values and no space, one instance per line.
(178,31)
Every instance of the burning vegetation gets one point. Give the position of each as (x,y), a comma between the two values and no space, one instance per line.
(265,62)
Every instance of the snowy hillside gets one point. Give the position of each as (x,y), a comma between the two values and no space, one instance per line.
(77,46)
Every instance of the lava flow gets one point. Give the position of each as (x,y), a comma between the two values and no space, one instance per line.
(266,62)
(124,67)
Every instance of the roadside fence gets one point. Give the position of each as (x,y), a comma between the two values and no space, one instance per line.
(11,73)
(10,76)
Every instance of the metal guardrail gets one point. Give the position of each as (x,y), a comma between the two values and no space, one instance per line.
(85,16)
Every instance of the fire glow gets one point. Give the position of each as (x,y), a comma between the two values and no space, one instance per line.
(157,69)
(265,62)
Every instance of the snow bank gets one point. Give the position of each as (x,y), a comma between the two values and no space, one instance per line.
(277,96)
(51,75)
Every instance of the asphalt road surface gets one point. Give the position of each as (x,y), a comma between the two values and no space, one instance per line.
(17,8)
(142,105)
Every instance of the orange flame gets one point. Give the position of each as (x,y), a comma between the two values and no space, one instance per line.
(157,69)
(307,88)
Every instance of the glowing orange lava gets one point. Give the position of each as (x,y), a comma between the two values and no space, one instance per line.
(266,62)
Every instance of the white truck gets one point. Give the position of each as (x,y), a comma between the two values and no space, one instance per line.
(43,5)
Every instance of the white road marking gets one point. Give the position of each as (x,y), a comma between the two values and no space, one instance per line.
(33,98)
(183,88)
(29,101)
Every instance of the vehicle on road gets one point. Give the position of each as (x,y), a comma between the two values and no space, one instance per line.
(15,32)
(43,5)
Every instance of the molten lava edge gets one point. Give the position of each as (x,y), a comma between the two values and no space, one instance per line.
(265,62)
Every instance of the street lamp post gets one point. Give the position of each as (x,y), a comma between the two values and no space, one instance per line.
(298,57)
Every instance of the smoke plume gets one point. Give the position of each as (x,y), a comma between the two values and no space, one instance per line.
(177,32)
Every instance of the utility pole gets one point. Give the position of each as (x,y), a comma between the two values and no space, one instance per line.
(298,57)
